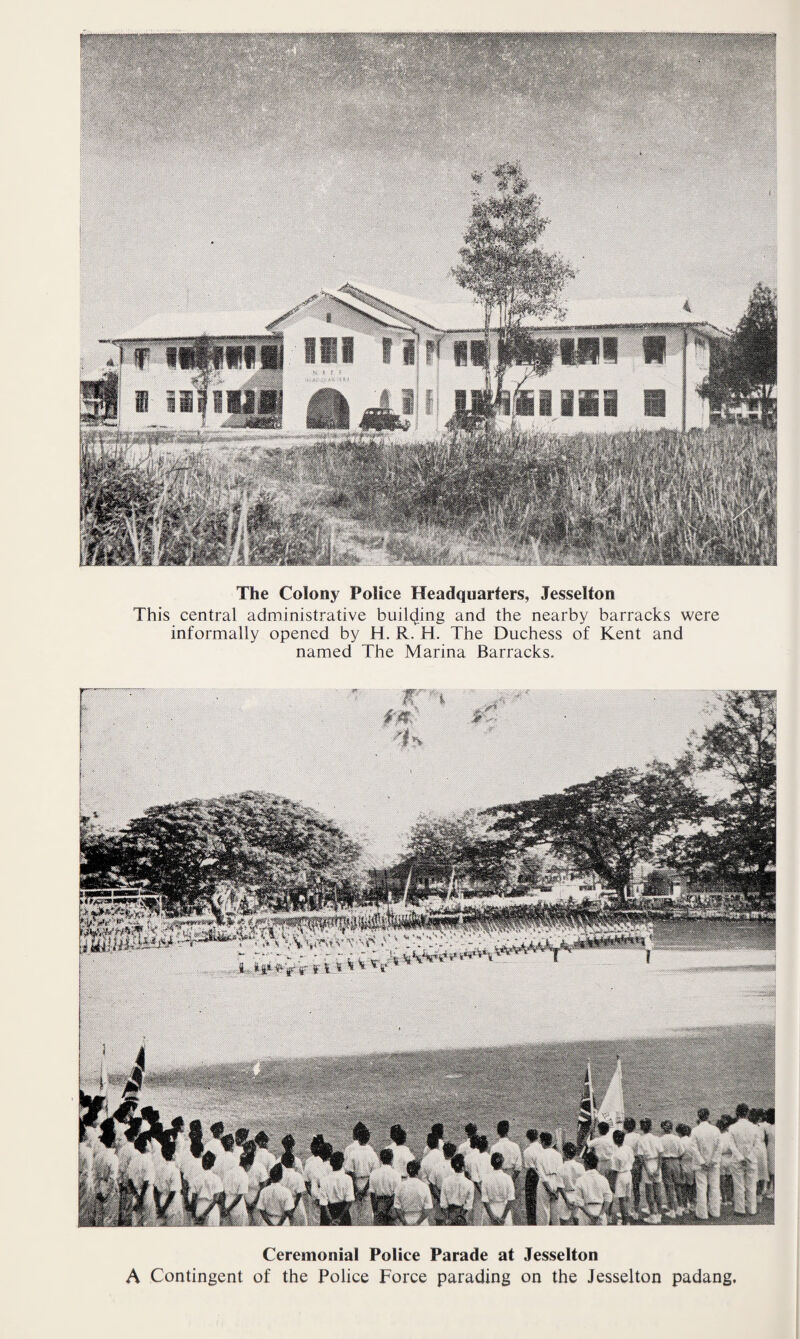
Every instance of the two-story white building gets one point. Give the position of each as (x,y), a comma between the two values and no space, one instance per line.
(619,364)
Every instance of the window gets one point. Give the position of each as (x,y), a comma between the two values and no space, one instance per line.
(172,356)
(387,350)
(408,353)
(217,402)
(700,352)
(460,352)
(526,404)
(141,359)
(267,402)
(142,401)
(249,403)
(280,355)
(477,352)
(568,352)
(505,403)
(461,401)
(187,402)
(219,358)
(610,404)
(250,356)
(234,402)
(429,402)
(233,356)
(327,349)
(477,401)
(430,349)
(311,350)
(170,402)
(186,358)
(589,350)
(655,348)
(610,349)
(545,403)
(567,404)
(588,404)
(408,402)
(269,356)
(655,404)
(347,348)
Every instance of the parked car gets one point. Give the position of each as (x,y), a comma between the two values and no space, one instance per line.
(382,420)
(466,420)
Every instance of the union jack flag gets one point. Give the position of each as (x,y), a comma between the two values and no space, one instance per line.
(586,1110)
(133,1087)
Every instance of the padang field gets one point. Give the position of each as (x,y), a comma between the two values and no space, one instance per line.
(453,1041)
(643,498)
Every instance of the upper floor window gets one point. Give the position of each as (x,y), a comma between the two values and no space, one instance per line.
(589,350)
(588,404)
(219,358)
(387,350)
(429,402)
(187,402)
(654,348)
(172,356)
(567,352)
(250,355)
(477,352)
(610,349)
(408,352)
(430,349)
(700,352)
(347,348)
(269,355)
(655,404)
(142,402)
(141,359)
(460,352)
(186,358)
(233,357)
(327,350)
(311,350)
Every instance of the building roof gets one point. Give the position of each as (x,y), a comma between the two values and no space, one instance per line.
(191,325)
(348,300)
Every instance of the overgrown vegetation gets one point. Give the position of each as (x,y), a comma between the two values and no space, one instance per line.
(636,497)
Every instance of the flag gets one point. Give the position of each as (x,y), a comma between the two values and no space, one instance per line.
(586,1110)
(104,1079)
(133,1087)
(612,1107)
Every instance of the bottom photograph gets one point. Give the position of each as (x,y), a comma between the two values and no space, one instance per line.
(426,959)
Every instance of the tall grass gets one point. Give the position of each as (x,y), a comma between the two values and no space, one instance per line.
(192,508)
(636,497)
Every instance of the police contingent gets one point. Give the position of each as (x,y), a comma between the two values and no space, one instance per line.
(137,1171)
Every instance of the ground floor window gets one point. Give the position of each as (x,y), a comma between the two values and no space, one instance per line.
(505,404)
(187,402)
(545,403)
(461,401)
(526,404)
(610,404)
(588,404)
(478,401)
(267,402)
(655,404)
(249,402)
(408,402)
(234,402)
(170,402)
(142,401)
(217,402)
(567,404)
(429,402)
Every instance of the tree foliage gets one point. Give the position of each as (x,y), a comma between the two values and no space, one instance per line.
(207,375)
(506,270)
(747,363)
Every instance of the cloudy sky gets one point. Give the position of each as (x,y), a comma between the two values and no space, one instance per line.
(224,171)
(330,751)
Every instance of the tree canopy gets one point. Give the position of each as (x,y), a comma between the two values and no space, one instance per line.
(747,363)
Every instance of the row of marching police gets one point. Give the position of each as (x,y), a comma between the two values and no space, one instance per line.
(136,1171)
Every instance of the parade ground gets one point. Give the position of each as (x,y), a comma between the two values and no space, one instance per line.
(451,1041)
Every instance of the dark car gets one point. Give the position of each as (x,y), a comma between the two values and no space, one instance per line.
(382,420)
(467,420)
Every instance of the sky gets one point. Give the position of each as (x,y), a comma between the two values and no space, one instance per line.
(329,750)
(242,171)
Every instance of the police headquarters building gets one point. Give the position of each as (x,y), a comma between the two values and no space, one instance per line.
(620,363)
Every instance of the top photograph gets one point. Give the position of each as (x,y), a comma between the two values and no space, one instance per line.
(422,299)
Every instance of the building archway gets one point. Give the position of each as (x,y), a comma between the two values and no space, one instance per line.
(386,400)
(328,409)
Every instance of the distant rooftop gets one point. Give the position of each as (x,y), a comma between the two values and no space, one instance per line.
(191,325)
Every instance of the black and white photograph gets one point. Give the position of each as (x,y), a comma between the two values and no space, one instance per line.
(417,959)
(433,298)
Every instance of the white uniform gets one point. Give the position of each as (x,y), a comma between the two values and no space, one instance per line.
(746,1136)
(592,1199)
(512,1157)
(235,1182)
(551,1180)
(276,1201)
(168,1178)
(106,1187)
(360,1163)
(85,1185)
(412,1202)
(706,1143)
(497,1191)
(208,1187)
(458,1193)
(294,1181)
(141,1172)
(384,1183)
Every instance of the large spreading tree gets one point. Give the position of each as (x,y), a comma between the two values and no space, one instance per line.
(510,276)
(747,363)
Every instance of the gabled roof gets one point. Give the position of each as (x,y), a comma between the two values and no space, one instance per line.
(347,300)
(191,325)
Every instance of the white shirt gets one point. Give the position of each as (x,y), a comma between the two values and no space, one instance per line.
(747,1138)
(413,1200)
(511,1153)
(458,1191)
(706,1142)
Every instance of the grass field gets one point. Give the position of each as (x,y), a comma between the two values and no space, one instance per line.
(450,1041)
(636,497)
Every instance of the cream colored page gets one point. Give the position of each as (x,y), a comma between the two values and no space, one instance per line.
(70,629)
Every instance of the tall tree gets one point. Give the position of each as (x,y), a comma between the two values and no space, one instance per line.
(748,362)
(504,267)
(207,375)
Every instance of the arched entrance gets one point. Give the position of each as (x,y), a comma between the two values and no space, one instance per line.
(386,400)
(328,409)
